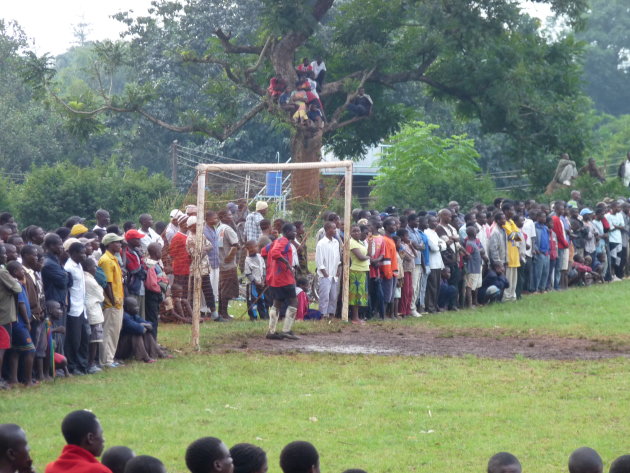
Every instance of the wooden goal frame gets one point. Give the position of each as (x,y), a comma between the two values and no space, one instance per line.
(204,169)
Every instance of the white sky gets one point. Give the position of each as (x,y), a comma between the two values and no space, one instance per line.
(50,23)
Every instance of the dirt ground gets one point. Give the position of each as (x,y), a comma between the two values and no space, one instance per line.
(378,340)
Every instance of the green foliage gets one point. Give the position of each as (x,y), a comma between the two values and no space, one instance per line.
(607,55)
(7,189)
(613,140)
(592,191)
(423,169)
(51,194)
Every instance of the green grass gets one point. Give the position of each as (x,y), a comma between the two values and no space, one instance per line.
(595,312)
(384,414)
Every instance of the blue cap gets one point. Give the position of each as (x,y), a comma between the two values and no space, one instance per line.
(585,211)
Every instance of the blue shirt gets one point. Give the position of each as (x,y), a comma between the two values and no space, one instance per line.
(213,238)
(22,297)
(414,236)
(542,238)
(427,252)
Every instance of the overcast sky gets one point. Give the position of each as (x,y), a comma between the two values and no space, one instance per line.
(50,23)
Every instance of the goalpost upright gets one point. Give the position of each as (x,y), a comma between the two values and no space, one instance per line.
(204,169)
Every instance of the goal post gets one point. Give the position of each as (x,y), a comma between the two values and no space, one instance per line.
(205,169)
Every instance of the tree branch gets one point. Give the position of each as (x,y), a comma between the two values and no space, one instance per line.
(255,67)
(334,126)
(232,48)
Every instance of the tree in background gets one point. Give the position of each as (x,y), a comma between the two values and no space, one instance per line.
(421,168)
(607,55)
(487,57)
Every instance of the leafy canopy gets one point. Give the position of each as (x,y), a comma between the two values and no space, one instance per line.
(422,168)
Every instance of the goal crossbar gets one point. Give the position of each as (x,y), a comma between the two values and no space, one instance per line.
(204,169)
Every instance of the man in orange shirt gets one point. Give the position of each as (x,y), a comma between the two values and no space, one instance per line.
(389,267)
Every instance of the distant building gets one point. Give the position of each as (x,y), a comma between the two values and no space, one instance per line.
(364,170)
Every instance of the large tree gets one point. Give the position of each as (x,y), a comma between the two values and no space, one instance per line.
(486,56)
(607,55)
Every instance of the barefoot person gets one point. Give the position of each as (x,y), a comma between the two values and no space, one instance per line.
(281,282)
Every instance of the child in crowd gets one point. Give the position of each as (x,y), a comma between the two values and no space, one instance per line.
(407,254)
(54,311)
(21,342)
(447,298)
(94,297)
(255,270)
(304,312)
(494,284)
(399,280)
(474,257)
(553,253)
(135,337)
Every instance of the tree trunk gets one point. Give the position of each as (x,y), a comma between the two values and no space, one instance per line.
(306,147)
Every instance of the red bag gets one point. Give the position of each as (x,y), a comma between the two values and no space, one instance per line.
(151,283)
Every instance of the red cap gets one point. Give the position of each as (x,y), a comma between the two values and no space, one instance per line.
(131,234)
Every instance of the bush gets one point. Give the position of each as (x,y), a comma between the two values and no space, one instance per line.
(51,194)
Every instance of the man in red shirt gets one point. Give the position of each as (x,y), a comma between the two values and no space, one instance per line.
(85,442)
(281,282)
(181,270)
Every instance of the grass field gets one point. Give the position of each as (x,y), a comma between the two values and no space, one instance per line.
(383,414)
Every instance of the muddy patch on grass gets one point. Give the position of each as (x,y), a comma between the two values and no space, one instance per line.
(374,340)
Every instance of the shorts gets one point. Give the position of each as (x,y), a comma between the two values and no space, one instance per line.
(282,293)
(5,337)
(96,333)
(21,339)
(473,281)
(59,358)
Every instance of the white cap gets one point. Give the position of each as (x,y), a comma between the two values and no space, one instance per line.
(261,205)
(192,220)
(176,213)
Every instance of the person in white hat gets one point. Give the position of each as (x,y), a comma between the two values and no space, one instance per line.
(191,210)
(173,227)
(252,223)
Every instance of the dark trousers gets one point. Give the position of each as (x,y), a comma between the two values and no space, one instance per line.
(256,304)
(77,342)
(377,302)
(456,281)
(152,310)
(320,80)
(433,290)
(447,297)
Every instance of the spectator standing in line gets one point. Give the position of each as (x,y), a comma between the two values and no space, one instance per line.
(252,222)
(150,235)
(436,264)
(77,325)
(114,295)
(102,220)
(55,280)
(210,232)
(328,261)
(228,274)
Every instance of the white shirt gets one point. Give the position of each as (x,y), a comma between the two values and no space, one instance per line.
(94,297)
(328,257)
(614,236)
(626,173)
(77,291)
(171,231)
(150,237)
(529,229)
(436,245)
(317,68)
(483,236)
